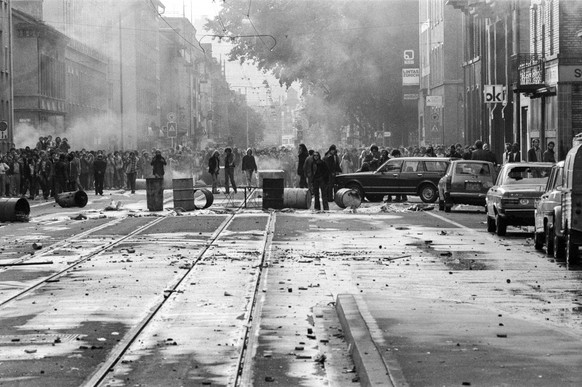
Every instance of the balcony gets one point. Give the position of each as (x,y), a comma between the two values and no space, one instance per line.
(528,73)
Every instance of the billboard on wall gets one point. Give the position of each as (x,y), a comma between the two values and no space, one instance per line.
(411,77)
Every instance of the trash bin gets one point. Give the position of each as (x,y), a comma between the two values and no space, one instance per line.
(155,194)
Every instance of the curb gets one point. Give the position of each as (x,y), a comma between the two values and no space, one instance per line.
(367,359)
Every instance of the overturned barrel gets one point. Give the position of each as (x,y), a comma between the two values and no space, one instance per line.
(202,201)
(14,210)
(155,194)
(297,198)
(347,197)
(72,199)
(184,193)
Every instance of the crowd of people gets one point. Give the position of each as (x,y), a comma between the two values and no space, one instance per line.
(53,167)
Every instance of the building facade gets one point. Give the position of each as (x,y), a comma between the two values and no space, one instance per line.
(549,83)
(39,76)
(6,113)
(441,101)
(179,79)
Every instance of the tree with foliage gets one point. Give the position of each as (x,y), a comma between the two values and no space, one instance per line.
(346,53)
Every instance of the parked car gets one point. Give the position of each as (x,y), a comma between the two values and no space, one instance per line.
(465,182)
(548,210)
(511,200)
(567,228)
(398,176)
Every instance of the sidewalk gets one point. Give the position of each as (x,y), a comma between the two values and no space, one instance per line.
(430,342)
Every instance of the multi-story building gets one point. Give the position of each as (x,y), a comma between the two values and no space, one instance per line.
(127,33)
(60,83)
(441,98)
(549,76)
(6,117)
(523,72)
(39,75)
(179,78)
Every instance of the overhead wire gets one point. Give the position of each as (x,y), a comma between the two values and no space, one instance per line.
(175,31)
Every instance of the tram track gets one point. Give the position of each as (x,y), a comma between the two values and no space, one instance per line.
(99,376)
(80,260)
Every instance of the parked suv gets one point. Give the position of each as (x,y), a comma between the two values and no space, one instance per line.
(398,176)
(568,222)
(466,182)
(548,210)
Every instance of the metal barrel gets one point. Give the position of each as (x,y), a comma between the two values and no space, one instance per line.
(207,196)
(297,198)
(155,194)
(273,190)
(72,199)
(14,209)
(184,194)
(346,197)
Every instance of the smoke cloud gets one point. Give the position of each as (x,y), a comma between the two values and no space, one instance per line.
(93,133)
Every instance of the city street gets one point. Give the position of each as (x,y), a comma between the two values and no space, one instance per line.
(389,293)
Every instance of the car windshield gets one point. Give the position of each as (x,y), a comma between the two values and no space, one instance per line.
(526,175)
(473,169)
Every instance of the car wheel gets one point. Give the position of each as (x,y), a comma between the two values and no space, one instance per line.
(571,249)
(428,193)
(441,205)
(356,187)
(550,237)
(539,240)
(500,225)
(490,224)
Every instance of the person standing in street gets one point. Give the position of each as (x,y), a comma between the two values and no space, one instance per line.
(308,170)
(214,170)
(535,153)
(302,155)
(549,155)
(515,156)
(45,169)
(3,169)
(99,168)
(158,163)
(74,182)
(131,171)
(333,166)
(320,182)
(229,170)
(249,166)
(61,175)
(507,153)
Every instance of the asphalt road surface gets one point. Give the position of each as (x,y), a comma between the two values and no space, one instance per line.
(114,295)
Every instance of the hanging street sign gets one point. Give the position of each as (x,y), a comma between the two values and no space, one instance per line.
(494,93)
